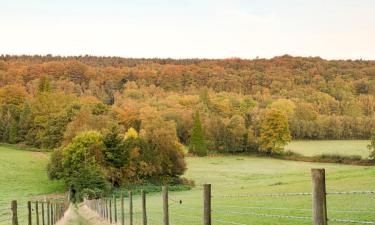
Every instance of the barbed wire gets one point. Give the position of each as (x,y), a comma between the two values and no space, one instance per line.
(351,221)
(295,209)
(351,193)
(262,195)
(268,215)
(292,194)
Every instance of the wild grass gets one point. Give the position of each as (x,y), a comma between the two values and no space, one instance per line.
(332,147)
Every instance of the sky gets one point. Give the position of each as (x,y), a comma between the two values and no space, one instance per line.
(331,29)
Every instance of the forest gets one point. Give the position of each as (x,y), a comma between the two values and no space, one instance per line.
(209,105)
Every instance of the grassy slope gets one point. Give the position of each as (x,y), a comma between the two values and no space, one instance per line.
(342,147)
(23,176)
(242,175)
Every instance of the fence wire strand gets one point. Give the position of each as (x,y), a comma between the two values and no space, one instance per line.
(351,221)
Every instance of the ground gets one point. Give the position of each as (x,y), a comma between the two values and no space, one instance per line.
(233,178)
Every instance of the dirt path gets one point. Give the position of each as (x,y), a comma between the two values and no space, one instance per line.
(81,215)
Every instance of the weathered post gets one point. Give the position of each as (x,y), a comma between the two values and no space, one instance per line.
(43,221)
(122,210)
(130,208)
(144,213)
(207,204)
(48,214)
(165,206)
(14,213)
(110,210)
(29,221)
(115,208)
(52,214)
(319,212)
(37,212)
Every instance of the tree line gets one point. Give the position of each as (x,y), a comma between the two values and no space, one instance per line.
(217,106)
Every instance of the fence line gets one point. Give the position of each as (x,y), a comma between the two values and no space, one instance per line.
(318,211)
(35,212)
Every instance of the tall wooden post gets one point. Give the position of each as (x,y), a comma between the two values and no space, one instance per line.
(165,206)
(319,212)
(14,213)
(122,210)
(29,221)
(130,208)
(48,214)
(37,212)
(144,213)
(207,204)
(43,221)
(115,208)
(52,214)
(110,210)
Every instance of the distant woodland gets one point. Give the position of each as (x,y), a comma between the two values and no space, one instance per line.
(46,101)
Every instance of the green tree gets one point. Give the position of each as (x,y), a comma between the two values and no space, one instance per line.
(274,132)
(197,141)
(44,84)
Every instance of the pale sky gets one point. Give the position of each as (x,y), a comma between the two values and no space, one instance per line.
(331,29)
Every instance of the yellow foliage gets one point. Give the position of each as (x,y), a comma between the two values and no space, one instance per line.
(131,133)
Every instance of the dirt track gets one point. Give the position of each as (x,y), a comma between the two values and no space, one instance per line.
(81,215)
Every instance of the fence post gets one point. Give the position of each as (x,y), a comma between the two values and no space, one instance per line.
(319,213)
(14,213)
(48,214)
(37,212)
(207,204)
(130,208)
(29,213)
(115,208)
(110,210)
(122,210)
(165,206)
(43,221)
(52,214)
(144,213)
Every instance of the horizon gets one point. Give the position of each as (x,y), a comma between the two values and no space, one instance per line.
(332,30)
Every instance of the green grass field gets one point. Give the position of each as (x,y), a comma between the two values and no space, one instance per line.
(23,177)
(341,147)
(249,175)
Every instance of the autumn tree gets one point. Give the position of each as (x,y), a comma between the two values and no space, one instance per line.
(274,132)
(197,140)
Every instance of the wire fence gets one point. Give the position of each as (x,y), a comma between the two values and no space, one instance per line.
(202,207)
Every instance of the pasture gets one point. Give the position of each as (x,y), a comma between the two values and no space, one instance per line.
(23,176)
(340,147)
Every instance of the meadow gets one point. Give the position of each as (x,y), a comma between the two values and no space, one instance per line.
(340,147)
(23,176)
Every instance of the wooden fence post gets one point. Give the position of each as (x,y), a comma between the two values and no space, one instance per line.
(29,213)
(165,206)
(115,208)
(37,212)
(207,204)
(43,221)
(122,210)
(48,214)
(110,210)
(319,212)
(52,214)
(14,213)
(144,213)
(130,208)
